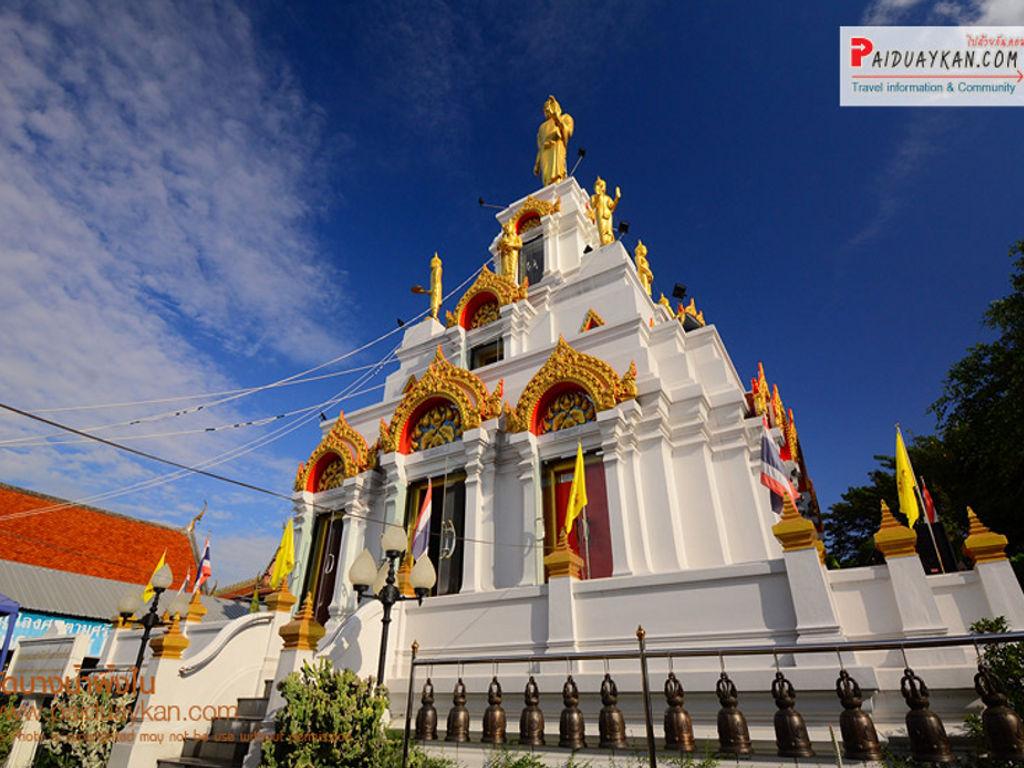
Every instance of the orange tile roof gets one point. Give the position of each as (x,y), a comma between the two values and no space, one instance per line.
(86,540)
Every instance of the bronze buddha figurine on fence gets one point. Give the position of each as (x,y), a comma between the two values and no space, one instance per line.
(928,740)
(790,729)
(860,739)
(426,718)
(458,715)
(611,725)
(570,725)
(678,725)
(733,733)
(494,716)
(531,722)
(1004,730)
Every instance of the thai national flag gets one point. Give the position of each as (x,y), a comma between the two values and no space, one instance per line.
(421,533)
(773,473)
(205,569)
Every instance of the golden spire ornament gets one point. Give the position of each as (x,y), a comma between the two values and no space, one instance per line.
(601,209)
(435,285)
(643,267)
(552,139)
(509,246)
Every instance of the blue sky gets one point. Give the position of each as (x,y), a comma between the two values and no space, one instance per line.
(195,200)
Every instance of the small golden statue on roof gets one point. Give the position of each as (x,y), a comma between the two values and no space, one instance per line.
(509,246)
(435,285)
(552,138)
(601,209)
(643,268)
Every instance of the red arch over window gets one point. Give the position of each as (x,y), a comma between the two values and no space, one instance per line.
(553,391)
(526,220)
(405,441)
(473,305)
(313,480)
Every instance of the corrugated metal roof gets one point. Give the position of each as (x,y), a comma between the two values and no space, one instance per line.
(86,597)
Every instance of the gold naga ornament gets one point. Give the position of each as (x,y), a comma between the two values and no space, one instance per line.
(759,389)
(552,139)
(778,418)
(509,246)
(602,385)
(643,267)
(690,310)
(601,209)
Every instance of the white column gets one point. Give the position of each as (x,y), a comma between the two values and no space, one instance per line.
(303,519)
(630,553)
(353,540)
(532,509)
(478,559)
(1002,591)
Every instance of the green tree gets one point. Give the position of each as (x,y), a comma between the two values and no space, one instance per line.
(975,459)
(981,414)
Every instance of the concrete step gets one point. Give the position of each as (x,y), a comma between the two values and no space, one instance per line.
(191,762)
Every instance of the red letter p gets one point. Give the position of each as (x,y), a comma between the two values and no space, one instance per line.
(859,48)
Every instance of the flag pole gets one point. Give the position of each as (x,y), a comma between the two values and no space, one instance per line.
(931,531)
(586,540)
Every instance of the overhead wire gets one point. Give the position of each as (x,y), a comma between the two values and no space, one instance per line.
(253,390)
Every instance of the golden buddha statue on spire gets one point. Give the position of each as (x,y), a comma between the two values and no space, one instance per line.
(601,209)
(643,268)
(435,285)
(552,139)
(509,246)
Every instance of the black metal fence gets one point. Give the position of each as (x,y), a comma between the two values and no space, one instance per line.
(1003,727)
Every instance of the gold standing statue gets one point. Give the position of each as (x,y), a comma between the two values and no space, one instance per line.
(601,209)
(509,246)
(643,267)
(435,285)
(552,138)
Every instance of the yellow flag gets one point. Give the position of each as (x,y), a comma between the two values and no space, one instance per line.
(905,482)
(148,592)
(284,561)
(577,492)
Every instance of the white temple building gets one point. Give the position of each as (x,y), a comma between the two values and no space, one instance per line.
(486,411)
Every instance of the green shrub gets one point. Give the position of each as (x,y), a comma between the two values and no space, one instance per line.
(502,757)
(80,727)
(10,725)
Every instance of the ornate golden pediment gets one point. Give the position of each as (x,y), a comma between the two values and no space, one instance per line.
(442,381)
(488,288)
(342,444)
(533,209)
(566,366)
(591,320)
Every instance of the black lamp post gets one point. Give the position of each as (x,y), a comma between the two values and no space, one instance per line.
(131,604)
(365,571)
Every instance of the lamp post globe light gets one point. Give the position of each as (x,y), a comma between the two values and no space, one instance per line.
(131,604)
(365,574)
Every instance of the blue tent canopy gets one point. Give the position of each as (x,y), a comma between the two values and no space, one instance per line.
(10,609)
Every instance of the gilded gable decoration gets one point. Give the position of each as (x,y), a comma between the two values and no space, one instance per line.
(342,453)
(485,297)
(437,408)
(529,214)
(592,320)
(567,371)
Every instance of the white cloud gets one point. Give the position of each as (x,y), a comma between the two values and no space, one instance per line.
(161,173)
(978,12)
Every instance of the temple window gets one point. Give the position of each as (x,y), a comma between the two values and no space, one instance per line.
(556,482)
(447,526)
(486,353)
(439,424)
(566,410)
(322,571)
(531,259)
